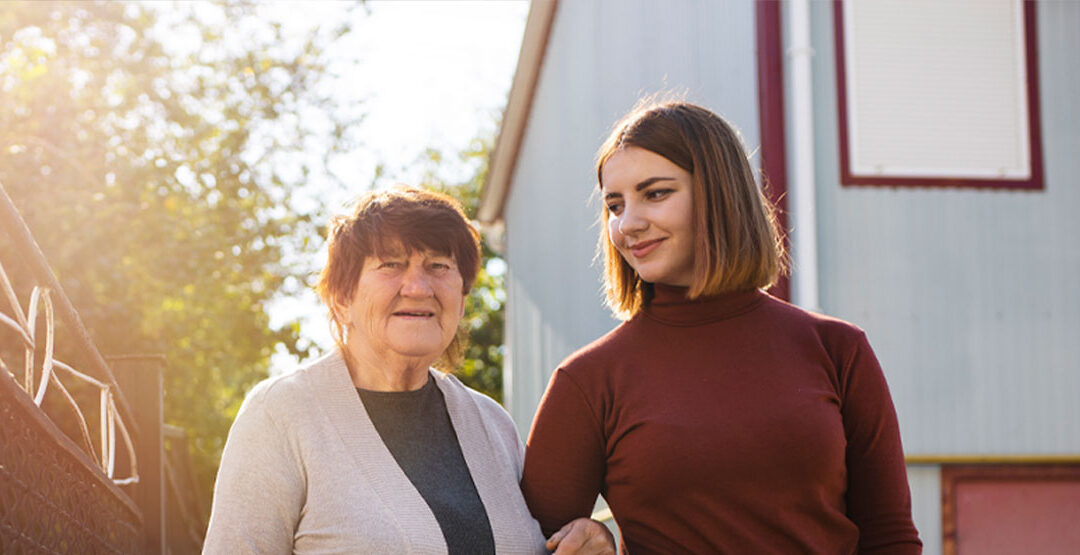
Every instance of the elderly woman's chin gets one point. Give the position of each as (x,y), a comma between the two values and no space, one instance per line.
(419,338)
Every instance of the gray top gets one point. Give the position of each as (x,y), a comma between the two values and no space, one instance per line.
(416,428)
(305,471)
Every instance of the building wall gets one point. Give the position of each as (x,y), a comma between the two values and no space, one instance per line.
(970,297)
(925,482)
(601,57)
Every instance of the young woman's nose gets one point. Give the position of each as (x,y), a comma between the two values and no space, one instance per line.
(631,221)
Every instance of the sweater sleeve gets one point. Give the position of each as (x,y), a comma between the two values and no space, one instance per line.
(564,456)
(878,497)
(260,487)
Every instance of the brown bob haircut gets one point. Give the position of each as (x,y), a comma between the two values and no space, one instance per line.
(736,237)
(385,221)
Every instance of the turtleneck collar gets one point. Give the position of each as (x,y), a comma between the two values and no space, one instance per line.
(669,305)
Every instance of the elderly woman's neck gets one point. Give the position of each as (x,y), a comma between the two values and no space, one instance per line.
(393,373)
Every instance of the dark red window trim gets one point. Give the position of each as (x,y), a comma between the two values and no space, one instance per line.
(951,475)
(1034,126)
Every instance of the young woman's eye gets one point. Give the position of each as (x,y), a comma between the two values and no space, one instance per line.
(657,194)
(390,264)
(614,208)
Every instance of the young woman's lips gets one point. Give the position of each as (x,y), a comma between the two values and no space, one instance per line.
(645,247)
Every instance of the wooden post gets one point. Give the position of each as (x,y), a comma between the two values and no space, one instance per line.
(141,381)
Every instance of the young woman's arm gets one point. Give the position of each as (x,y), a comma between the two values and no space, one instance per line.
(564,456)
(878,498)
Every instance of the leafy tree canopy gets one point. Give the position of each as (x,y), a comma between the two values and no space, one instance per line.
(484,308)
(155,151)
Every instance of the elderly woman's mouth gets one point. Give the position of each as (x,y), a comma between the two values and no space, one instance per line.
(414,314)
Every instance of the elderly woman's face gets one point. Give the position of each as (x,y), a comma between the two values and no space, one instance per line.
(407,305)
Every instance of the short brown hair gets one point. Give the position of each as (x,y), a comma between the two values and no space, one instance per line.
(383,220)
(736,236)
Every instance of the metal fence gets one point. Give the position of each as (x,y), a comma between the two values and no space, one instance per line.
(53,497)
(109,487)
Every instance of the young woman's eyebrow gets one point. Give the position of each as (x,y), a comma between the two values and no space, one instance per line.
(640,186)
(650,181)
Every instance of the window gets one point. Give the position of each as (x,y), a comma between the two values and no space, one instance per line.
(1010,509)
(938,93)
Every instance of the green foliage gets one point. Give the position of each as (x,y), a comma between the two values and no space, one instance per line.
(157,176)
(155,151)
(484,309)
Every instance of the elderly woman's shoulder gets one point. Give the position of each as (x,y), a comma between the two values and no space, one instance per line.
(291,390)
(450,383)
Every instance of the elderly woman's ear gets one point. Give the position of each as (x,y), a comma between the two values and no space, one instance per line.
(341,312)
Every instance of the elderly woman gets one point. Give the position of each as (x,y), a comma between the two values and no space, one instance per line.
(368,449)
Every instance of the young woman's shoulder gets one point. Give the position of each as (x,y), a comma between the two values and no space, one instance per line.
(787,314)
(605,349)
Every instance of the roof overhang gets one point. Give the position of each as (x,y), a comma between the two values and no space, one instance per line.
(516,116)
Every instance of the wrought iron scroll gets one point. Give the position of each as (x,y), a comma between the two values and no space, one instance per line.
(114,414)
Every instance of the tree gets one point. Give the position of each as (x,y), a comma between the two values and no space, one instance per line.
(485,307)
(158,174)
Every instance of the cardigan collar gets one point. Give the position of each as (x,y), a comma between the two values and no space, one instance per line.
(670,305)
(330,379)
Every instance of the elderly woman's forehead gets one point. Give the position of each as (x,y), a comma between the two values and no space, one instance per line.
(397,247)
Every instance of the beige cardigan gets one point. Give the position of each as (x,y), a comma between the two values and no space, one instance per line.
(304,471)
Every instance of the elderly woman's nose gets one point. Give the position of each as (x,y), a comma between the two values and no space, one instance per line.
(416,282)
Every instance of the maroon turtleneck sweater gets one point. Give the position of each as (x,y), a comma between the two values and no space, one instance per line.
(734,424)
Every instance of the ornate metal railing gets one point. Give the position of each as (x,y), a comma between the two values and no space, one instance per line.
(115,413)
(57,495)
(25,325)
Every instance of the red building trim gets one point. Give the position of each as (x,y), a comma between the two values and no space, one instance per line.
(953,475)
(770,74)
(1035,182)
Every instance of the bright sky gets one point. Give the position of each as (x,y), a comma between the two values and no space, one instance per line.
(427,74)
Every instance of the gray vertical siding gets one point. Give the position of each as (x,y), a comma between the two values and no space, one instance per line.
(971,298)
(601,57)
(925,481)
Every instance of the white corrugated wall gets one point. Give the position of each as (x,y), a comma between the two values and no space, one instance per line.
(601,57)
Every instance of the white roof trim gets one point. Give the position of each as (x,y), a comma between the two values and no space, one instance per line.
(518,107)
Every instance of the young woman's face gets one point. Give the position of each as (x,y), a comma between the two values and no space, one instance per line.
(649,201)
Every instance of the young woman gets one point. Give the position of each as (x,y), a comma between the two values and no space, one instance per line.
(716,418)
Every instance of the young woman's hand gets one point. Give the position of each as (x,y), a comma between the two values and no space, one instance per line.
(582,536)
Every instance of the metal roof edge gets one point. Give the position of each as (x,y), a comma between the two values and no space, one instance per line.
(496,188)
